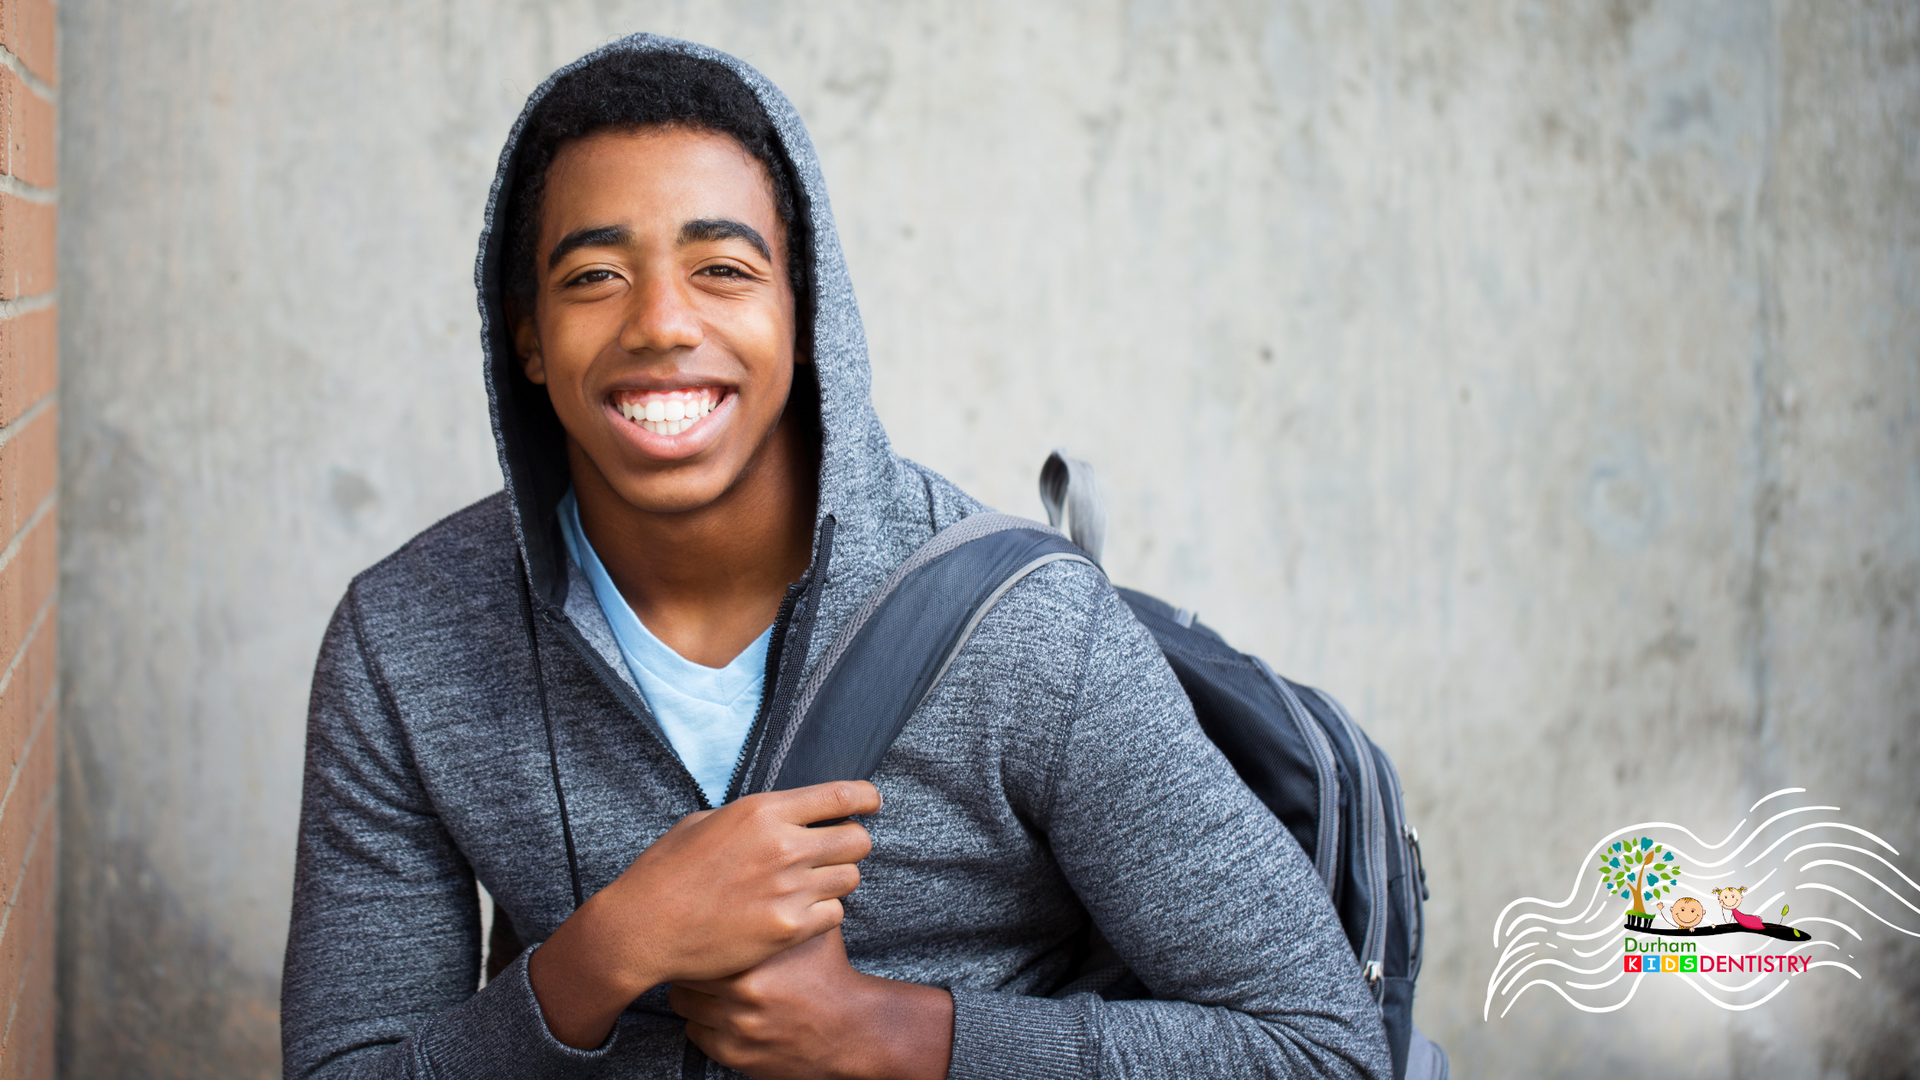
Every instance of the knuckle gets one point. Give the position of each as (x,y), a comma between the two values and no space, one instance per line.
(751,988)
(786,849)
(786,923)
(749,1027)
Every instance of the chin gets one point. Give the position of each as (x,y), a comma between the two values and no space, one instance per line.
(673,494)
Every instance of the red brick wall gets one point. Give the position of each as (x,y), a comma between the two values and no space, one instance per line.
(28,472)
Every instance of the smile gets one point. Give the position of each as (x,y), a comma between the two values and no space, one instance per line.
(668,412)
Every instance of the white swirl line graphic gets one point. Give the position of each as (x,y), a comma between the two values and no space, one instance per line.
(1864,874)
(1828,888)
(1775,795)
(1832,922)
(1822,825)
(1869,854)
(1555,987)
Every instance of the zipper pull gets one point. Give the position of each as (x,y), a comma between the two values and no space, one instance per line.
(1413,841)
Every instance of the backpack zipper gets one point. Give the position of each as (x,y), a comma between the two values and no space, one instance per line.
(1373,948)
(1326,855)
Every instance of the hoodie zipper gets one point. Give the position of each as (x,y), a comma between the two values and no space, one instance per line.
(623,690)
(769,687)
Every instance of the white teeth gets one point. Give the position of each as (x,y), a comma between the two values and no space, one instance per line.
(671,415)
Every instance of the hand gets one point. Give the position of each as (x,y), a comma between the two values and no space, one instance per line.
(722,891)
(806,1013)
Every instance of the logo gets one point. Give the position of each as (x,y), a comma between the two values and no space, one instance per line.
(1691,912)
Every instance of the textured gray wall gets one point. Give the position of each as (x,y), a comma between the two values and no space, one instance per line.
(1540,377)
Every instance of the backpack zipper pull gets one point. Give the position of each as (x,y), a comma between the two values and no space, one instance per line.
(1419,865)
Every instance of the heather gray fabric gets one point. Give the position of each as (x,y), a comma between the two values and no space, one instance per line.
(1055,779)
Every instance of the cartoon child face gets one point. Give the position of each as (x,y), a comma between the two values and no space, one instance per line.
(1729,898)
(1687,912)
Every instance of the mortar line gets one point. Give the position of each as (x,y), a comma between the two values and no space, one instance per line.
(27,305)
(26,857)
(26,754)
(26,640)
(13,899)
(11,430)
(19,538)
(20,189)
(12,62)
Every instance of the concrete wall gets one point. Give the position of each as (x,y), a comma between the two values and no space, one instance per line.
(1541,377)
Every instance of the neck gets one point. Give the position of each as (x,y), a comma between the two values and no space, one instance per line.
(708,581)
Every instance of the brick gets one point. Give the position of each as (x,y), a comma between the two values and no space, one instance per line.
(29,361)
(26,247)
(26,583)
(27,31)
(30,150)
(21,849)
(26,959)
(29,469)
(27,694)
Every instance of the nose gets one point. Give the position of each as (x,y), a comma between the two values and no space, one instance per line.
(662,317)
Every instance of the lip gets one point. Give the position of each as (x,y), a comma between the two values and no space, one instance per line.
(672,447)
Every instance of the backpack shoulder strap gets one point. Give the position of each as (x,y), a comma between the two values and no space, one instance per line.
(899,644)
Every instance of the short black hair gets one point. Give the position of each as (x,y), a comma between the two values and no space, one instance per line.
(628,90)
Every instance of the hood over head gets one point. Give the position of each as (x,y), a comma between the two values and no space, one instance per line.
(857,466)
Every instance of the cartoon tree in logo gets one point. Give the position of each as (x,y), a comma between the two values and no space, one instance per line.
(1638,870)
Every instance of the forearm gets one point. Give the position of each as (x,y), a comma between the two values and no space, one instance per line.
(909,1033)
(580,989)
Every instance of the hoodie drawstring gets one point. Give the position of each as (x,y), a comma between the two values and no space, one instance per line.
(546,719)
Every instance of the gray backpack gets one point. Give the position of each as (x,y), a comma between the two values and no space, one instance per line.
(1293,746)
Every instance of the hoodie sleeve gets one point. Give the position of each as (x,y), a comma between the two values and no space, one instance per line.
(383,955)
(1197,887)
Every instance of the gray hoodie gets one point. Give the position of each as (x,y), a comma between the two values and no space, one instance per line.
(1054,789)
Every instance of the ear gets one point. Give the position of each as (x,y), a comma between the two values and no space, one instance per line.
(526,342)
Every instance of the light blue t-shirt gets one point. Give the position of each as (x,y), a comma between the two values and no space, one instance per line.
(705,712)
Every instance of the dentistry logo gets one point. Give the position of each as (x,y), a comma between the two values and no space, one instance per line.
(1692,912)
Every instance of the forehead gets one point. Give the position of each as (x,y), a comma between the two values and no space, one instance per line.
(655,177)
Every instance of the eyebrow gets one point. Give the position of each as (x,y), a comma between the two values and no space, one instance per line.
(591,236)
(704,230)
(708,230)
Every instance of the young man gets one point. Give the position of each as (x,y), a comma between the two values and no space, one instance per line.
(552,689)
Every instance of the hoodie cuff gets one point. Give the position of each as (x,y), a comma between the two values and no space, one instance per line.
(500,1031)
(999,1035)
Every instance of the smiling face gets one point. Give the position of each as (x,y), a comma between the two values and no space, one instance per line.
(1730,898)
(1687,912)
(663,321)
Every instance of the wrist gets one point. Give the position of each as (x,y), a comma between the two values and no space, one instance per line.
(583,979)
(910,1028)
